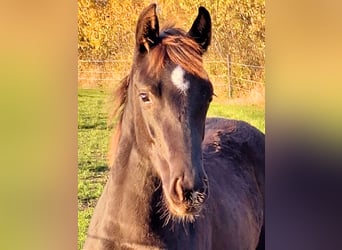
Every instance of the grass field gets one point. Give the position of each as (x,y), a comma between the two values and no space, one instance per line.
(93,136)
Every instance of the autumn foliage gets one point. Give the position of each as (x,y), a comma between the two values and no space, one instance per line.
(106,32)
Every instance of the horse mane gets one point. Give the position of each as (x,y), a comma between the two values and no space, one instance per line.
(175,46)
(119,99)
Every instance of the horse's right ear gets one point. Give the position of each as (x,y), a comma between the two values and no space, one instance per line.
(147,32)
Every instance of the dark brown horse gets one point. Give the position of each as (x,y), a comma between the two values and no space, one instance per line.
(178,180)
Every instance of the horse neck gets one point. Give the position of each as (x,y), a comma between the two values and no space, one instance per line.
(130,191)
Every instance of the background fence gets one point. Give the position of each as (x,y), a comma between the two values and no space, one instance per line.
(230,79)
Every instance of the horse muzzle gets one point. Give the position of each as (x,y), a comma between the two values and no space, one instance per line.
(186,198)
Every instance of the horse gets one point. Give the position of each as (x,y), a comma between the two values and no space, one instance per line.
(178,180)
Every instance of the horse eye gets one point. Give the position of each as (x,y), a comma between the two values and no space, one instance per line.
(144,97)
(210,98)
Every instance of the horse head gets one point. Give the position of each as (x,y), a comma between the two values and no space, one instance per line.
(169,93)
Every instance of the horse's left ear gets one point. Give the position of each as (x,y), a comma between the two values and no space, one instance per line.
(147,32)
(201,28)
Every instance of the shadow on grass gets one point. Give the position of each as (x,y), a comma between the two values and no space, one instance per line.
(101,126)
(100,169)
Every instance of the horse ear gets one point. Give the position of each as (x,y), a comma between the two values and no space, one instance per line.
(147,32)
(201,28)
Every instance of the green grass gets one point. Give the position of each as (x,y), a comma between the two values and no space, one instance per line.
(93,138)
(252,114)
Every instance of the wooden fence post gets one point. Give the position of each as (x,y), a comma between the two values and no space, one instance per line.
(230,88)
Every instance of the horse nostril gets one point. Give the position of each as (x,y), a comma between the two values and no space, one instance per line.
(181,193)
(179,189)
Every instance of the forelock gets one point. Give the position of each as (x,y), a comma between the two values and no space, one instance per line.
(175,47)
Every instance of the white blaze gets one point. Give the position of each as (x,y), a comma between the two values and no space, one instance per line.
(177,78)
